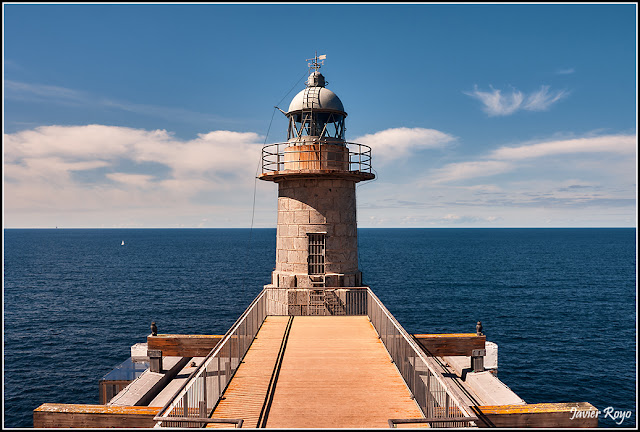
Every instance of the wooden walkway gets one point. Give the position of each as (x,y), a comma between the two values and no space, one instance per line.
(246,393)
(335,373)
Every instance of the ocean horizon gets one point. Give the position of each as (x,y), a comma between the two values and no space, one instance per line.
(559,302)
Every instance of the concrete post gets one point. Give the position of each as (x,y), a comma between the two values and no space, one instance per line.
(477,360)
(155,360)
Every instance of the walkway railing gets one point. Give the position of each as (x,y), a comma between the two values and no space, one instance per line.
(284,156)
(195,400)
(313,301)
(434,397)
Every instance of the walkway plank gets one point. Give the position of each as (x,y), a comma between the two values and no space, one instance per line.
(247,390)
(336,373)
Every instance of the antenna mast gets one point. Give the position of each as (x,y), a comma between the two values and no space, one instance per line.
(314,62)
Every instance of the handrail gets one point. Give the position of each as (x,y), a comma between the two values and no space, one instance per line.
(238,422)
(394,422)
(198,396)
(402,357)
(192,396)
(286,156)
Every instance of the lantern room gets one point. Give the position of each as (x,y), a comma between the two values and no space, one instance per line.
(316,113)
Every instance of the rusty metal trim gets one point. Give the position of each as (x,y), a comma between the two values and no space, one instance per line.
(237,422)
(394,422)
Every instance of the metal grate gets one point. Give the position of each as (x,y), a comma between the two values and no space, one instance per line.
(317,302)
(317,242)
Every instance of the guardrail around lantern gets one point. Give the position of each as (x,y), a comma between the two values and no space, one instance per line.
(316,155)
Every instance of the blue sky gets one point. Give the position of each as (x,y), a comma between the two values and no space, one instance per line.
(478,115)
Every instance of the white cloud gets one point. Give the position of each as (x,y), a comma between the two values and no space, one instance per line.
(103,172)
(42,168)
(582,181)
(397,143)
(567,71)
(99,175)
(456,219)
(484,188)
(218,150)
(619,144)
(505,159)
(495,103)
(80,142)
(39,93)
(543,99)
(467,170)
(137,180)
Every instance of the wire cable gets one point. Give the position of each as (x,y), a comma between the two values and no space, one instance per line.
(294,86)
(255,180)
(266,137)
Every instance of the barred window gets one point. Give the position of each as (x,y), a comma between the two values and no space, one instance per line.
(317,243)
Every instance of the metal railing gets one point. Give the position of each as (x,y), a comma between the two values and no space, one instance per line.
(317,301)
(199,395)
(194,402)
(197,422)
(431,421)
(440,406)
(287,156)
(432,395)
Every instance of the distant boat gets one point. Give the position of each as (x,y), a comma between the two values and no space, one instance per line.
(122,244)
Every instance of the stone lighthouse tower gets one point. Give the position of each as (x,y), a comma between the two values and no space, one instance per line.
(316,170)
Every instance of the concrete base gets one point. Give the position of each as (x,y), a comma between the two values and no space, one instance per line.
(491,359)
(485,386)
(139,352)
(147,386)
(172,387)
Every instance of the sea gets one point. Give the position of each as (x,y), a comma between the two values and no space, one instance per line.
(560,303)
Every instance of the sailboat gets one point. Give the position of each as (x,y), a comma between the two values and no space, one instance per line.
(122,244)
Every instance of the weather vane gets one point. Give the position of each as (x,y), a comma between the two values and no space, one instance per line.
(315,64)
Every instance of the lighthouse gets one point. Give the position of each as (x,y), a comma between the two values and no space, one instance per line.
(270,370)
(316,171)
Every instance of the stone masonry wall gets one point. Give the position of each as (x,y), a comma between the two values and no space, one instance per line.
(313,206)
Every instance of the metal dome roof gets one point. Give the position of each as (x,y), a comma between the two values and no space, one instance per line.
(318,98)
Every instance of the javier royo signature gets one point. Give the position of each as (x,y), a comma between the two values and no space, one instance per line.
(617,416)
